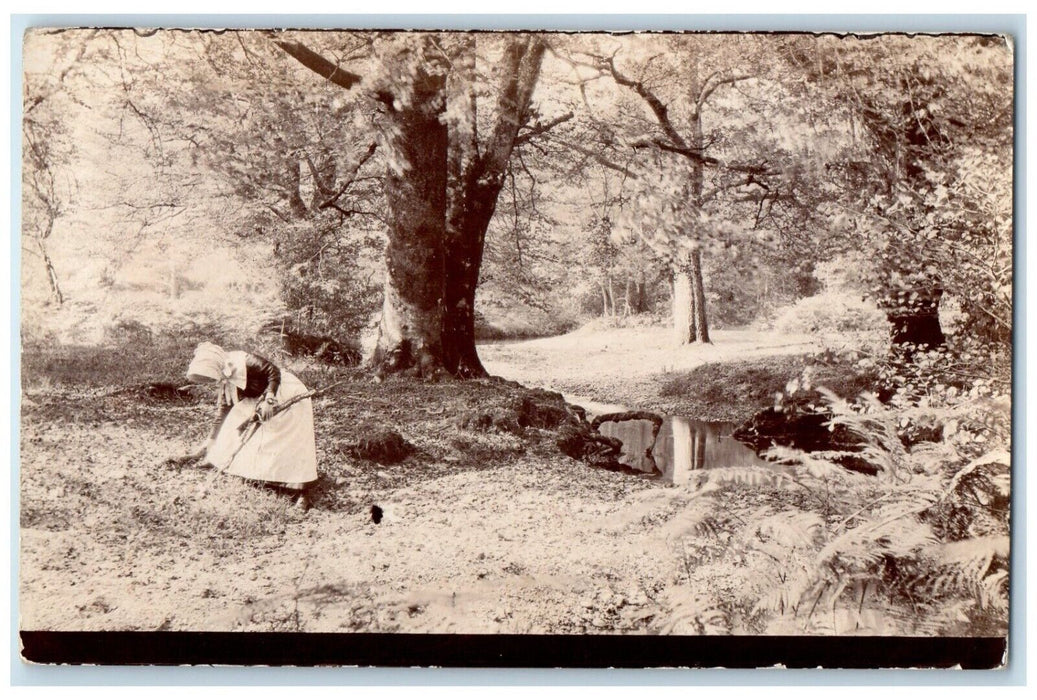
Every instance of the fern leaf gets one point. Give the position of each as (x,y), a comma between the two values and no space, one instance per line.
(791,528)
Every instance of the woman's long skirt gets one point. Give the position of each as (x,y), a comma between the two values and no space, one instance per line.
(283,447)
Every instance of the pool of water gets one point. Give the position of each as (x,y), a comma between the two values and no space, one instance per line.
(683,445)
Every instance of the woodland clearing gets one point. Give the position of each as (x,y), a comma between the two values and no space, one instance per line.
(482,531)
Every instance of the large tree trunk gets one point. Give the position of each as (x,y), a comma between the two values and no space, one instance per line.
(476,183)
(465,230)
(441,195)
(411,330)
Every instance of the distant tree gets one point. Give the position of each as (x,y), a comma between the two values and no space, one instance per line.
(171,158)
(48,181)
(690,132)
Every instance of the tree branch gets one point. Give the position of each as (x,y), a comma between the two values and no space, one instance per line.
(521,62)
(660,110)
(539,128)
(330,201)
(708,89)
(319,65)
(601,159)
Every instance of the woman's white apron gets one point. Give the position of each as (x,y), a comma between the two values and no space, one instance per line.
(282,449)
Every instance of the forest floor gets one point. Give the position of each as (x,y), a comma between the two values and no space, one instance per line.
(482,532)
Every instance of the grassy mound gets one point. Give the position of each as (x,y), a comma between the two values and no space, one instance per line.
(735,390)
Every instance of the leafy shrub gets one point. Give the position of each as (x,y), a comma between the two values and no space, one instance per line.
(831,312)
(325,288)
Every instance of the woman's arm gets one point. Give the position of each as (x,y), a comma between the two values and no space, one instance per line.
(262,377)
(222,409)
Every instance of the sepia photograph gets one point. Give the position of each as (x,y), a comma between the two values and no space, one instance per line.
(516,348)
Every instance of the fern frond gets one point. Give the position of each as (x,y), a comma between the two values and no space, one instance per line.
(690,520)
(997,461)
(864,547)
(791,528)
(693,613)
(974,548)
(816,465)
(993,591)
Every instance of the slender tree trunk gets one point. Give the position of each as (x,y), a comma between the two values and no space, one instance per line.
(52,275)
(684,329)
(174,280)
(699,319)
(294,180)
(699,298)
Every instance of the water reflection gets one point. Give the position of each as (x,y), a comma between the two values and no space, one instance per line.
(682,446)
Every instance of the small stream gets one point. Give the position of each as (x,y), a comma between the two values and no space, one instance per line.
(683,445)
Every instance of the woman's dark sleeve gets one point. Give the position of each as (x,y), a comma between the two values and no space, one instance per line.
(262,376)
(222,409)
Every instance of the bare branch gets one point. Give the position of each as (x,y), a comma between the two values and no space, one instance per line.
(661,111)
(330,201)
(539,128)
(319,65)
(708,89)
(600,158)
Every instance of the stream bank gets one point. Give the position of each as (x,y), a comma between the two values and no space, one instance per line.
(640,368)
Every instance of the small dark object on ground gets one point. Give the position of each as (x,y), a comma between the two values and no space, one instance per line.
(382,445)
(376,514)
(182,461)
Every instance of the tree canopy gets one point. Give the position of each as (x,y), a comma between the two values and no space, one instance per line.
(561,174)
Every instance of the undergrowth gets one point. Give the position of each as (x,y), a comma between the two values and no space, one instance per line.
(810,547)
(752,384)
